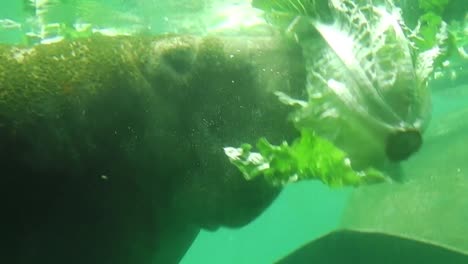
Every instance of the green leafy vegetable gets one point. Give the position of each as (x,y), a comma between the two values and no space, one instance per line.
(436,6)
(314,157)
(309,157)
(430,25)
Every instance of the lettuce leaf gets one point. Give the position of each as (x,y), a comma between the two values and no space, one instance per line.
(309,157)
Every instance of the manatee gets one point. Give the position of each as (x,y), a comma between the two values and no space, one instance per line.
(112,147)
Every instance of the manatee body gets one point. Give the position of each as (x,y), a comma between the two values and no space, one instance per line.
(111,148)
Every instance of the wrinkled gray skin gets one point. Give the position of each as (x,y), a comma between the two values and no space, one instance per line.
(119,158)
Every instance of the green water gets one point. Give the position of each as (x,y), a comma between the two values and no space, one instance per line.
(304,211)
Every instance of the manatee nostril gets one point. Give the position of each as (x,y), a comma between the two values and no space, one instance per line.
(402,144)
(180,58)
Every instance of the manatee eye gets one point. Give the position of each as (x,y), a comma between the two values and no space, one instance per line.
(402,144)
(179,58)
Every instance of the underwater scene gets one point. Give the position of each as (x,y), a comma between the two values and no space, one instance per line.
(234,131)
